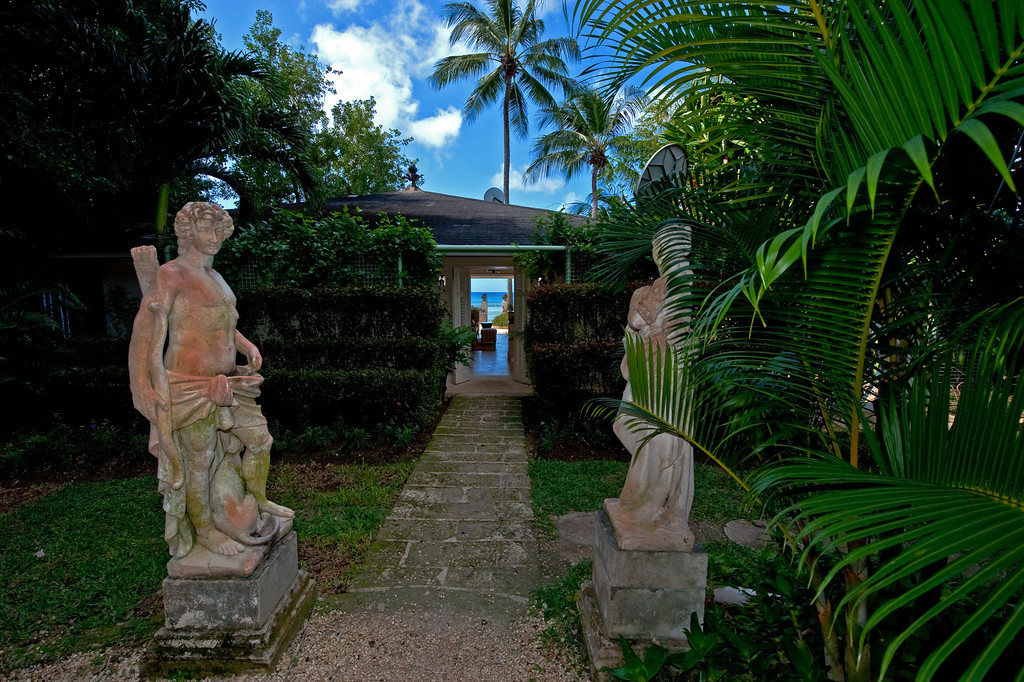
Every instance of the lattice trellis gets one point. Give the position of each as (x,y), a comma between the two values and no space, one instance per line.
(370,272)
(367,272)
(580,263)
(257,269)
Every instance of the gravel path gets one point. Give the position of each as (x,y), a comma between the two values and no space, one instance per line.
(408,645)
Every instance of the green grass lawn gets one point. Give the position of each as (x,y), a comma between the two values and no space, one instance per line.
(80,568)
(337,515)
(562,487)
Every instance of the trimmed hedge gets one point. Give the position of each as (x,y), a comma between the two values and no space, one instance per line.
(361,398)
(583,370)
(93,392)
(291,313)
(348,353)
(366,357)
(577,313)
(574,343)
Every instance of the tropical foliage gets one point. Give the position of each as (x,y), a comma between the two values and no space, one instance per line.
(837,264)
(585,130)
(513,63)
(104,101)
(301,84)
(333,250)
(359,156)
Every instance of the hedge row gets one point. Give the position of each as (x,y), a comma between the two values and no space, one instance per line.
(577,313)
(576,369)
(290,313)
(348,353)
(361,398)
(98,392)
(574,343)
(332,250)
(361,356)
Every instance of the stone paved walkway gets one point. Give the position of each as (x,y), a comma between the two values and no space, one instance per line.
(461,534)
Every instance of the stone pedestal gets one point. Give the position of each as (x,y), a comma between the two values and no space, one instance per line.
(642,595)
(231,625)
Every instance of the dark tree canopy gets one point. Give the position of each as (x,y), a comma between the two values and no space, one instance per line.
(104,101)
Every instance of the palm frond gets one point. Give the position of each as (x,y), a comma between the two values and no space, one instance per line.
(457,67)
(948,493)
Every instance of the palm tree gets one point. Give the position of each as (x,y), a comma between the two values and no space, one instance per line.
(586,128)
(832,284)
(512,63)
(214,106)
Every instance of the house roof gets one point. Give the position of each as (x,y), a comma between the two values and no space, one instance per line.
(453,220)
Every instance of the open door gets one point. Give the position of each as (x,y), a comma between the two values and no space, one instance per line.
(460,314)
(517,353)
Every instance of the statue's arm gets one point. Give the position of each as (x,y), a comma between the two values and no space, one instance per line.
(249,350)
(146,370)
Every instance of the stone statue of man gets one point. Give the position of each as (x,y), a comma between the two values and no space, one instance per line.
(201,405)
(652,512)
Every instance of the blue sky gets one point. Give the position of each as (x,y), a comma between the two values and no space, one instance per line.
(386,49)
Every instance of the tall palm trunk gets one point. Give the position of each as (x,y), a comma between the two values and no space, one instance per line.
(593,194)
(508,153)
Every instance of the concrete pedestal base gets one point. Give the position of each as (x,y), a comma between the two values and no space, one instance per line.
(642,595)
(228,626)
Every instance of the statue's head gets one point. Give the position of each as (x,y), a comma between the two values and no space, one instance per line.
(194,212)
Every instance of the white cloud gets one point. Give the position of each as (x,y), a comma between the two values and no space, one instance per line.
(379,60)
(438,130)
(339,6)
(546,8)
(370,67)
(516,182)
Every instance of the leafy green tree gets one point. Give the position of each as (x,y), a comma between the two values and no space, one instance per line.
(304,77)
(512,62)
(586,129)
(359,156)
(834,270)
(301,83)
(105,101)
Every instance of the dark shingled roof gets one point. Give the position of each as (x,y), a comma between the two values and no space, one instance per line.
(453,220)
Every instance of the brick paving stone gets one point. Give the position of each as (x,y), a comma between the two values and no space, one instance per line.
(461,531)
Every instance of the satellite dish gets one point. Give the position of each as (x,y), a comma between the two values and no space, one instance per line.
(494,195)
(668,166)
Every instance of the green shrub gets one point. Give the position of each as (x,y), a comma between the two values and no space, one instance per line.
(577,313)
(559,229)
(291,313)
(363,398)
(62,444)
(335,250)
(578,371)
(368,356)
(83,395)
(347,353)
